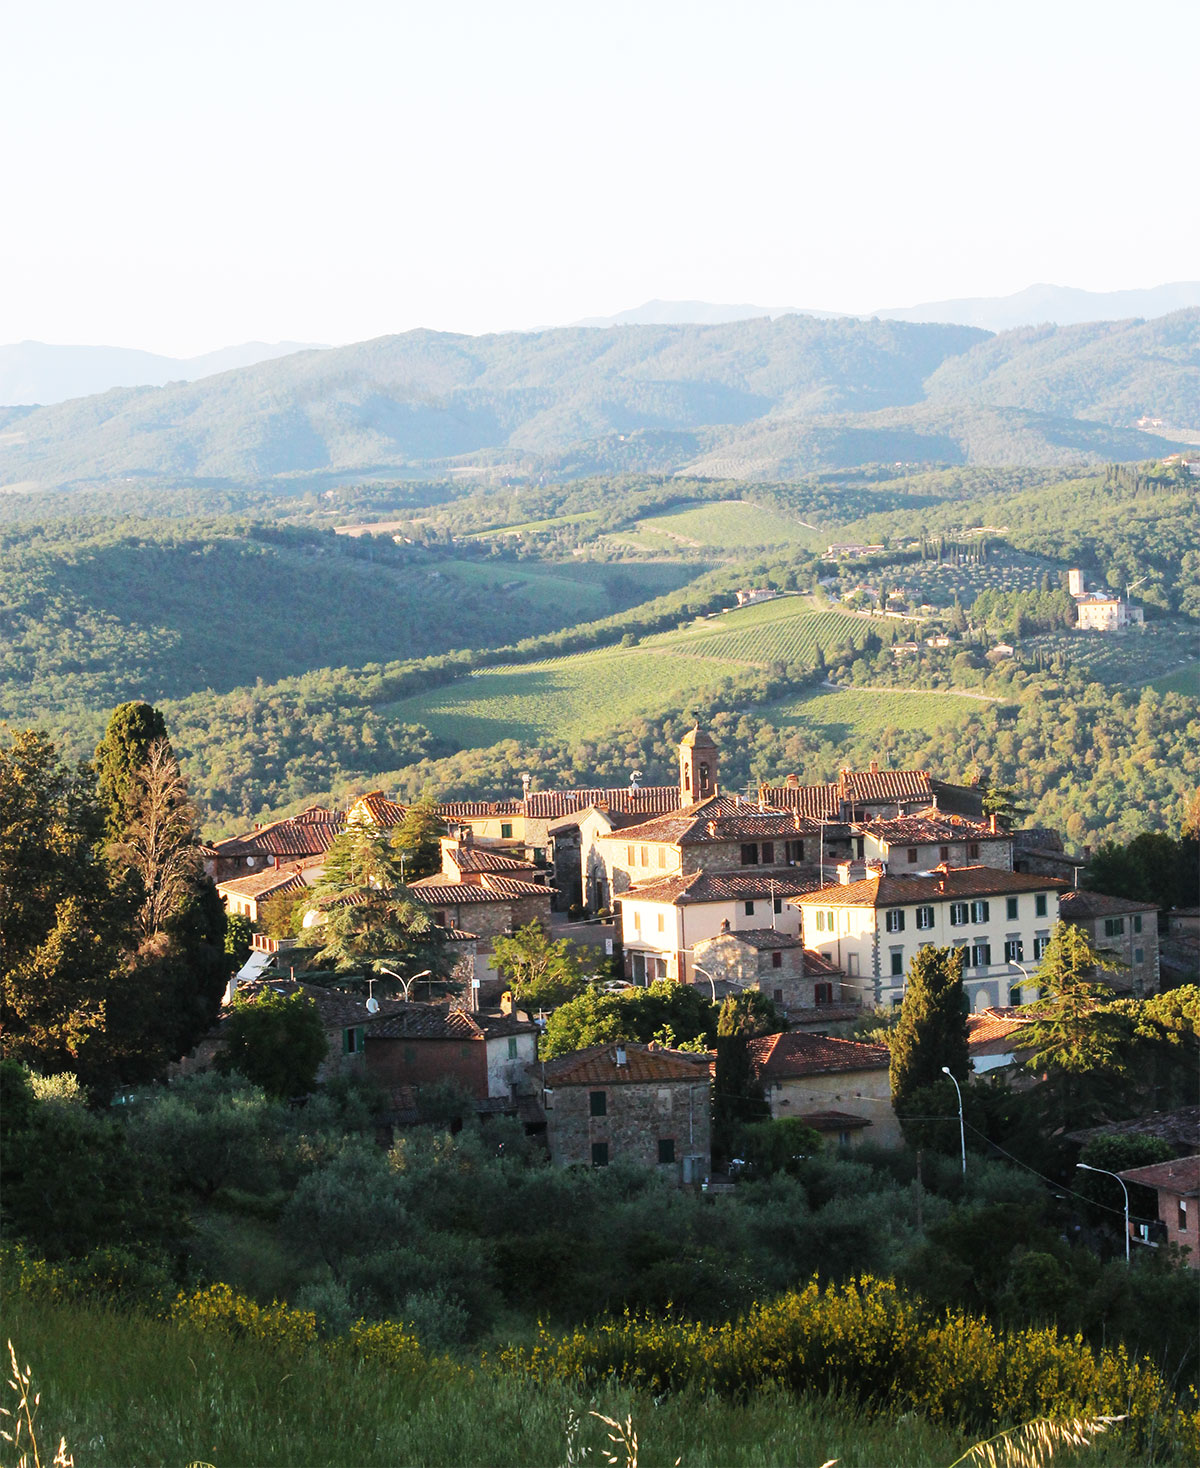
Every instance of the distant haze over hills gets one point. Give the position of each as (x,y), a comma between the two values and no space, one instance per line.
(1037,304)
(37,372)
(755,399)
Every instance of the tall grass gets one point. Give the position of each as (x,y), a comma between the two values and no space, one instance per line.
(125,1389)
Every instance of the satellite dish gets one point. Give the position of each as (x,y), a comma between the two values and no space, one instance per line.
(372,1005)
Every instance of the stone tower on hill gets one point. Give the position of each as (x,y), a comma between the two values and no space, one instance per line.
(697,766)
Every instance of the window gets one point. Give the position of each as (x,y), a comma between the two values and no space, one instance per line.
(822,993)
(637,919)
(512,1047)
(795,850)
(981,955)
(820,922)
(776,959)
(1137,922)
(778,996)
(973,849)
(630,859)
(768,853)
(505,830)
(843,1139)
(749,854)
(1113,927)
(662,923)
(666,1150)
(777,906)
(599,1154)
(1183,1215)
(352,1041)
(979,911)
(924,917)
(1039,905)
(1040,944)
(897,963)
(959,914)
(539,855)
(894,920)
(912,855)
(598,1103)
(1010,909)
(749,909)
(644,862)
(662,856)
(1013,949)
(1139,955)
(943,853)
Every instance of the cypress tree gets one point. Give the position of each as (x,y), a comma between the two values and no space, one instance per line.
(932,1033)
(124,750)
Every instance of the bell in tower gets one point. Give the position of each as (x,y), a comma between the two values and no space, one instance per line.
(697,767)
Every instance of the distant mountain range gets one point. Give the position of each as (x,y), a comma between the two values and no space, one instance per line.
(36,372)
(1035,306)
(757,398)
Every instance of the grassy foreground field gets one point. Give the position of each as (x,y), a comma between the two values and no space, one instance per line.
(126,1390)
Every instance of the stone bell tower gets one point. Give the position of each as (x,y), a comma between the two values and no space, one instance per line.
(697,767)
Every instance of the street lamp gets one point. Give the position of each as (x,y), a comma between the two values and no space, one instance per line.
(1087,1167)
(696,969)
(406,984)
(1012,963)
(962,1130)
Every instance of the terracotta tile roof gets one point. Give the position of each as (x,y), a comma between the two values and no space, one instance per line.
(264,884)
(991,1033)
(649,800)
(478,859)
(461,810)
(871,787)
(1081,904)
(817,966)
(424,1022)
(309,834)
(1181,1128)
(379,809)
(643,1063)
(681,891)
(456,935)
(924,826)
(499,1026)
(958,882)
(764,938)
(719,818)
(833,1121)
(489,888)
(1181,1177)
(783,1057)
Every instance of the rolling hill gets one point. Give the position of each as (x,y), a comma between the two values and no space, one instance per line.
(810,393)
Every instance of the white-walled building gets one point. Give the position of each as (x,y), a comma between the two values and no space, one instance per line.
(871,928)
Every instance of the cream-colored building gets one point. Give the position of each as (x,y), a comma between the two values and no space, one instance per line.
(871,928)
(840,1088)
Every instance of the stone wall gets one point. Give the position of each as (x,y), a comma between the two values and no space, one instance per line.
(398,1062)
(864,1093)
(638,1117)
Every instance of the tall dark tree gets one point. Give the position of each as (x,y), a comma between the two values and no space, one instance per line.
(416,839)
(276,1041)
(132,729)
(932,1033)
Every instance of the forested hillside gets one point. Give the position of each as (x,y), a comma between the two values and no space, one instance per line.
(763,398)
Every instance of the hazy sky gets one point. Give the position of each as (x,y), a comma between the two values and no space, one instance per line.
(183,174)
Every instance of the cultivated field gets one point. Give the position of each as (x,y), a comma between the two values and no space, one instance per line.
(1161,650)
(579,591)
(788,630)
(721,527)
(853,715)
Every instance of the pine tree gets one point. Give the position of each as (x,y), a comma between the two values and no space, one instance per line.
(416,839)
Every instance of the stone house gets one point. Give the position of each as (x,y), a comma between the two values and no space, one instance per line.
(838,1087)
(858,795)
(764,959)
(243,896)
(929,838)
(1040,849)
(422,1044)
(1177,1184)
(628,1103)
(1128,930)
(873,925)
(301,839)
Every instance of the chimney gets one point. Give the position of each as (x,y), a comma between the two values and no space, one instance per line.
(874,766)
(796,818)
(276,861)
(933,805)
(992,823)
(620,1054)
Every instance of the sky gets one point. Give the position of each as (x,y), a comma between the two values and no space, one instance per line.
(186,175)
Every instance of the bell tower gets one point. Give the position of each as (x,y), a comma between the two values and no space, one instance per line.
(697,767)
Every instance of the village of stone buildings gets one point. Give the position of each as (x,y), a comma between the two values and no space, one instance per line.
(816,896)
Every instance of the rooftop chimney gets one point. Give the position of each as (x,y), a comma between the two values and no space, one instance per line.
(992,823)
(874,766)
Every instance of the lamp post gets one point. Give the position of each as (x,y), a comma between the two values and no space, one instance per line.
(1012,963)
(962,1130)
(696,969)
(1087,1167)
(406,984)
